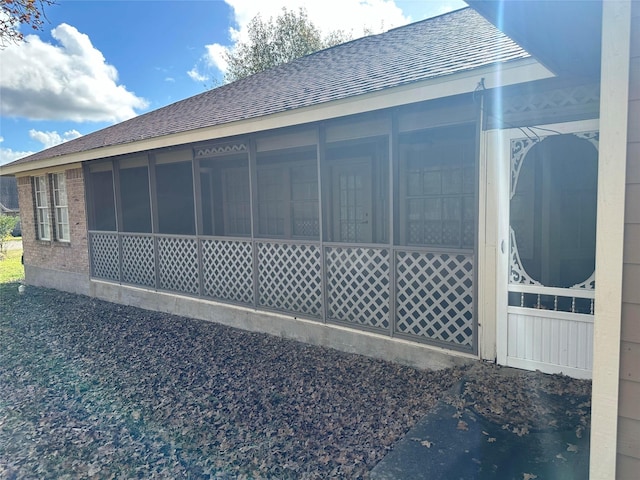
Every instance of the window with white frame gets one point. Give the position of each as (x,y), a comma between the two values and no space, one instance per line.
(41,193)
(50,192)
(61,209)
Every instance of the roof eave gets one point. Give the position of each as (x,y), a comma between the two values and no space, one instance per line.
(496,75)
(564,34)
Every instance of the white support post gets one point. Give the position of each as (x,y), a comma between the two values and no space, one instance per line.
(614,98)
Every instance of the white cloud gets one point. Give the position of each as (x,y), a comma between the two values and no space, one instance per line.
(354,16)
(8,155)
(196,76)
(67,81)
(51,139)
(215,57)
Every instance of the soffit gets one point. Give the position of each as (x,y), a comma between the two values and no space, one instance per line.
(563,35)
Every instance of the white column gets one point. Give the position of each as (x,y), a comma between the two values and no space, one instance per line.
(614,98)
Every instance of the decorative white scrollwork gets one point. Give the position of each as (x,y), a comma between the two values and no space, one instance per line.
(517,273)
(592,137)
(220,149)
(519,149)
(588,284)
(560,98)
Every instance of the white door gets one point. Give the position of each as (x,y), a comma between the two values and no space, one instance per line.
(546,257)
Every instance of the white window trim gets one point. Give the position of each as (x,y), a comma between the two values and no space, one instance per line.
(51,208)
(41,193)
(61,209)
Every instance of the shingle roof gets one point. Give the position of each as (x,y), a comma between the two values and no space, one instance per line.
(451,43)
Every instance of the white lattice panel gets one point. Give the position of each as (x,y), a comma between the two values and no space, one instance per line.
(434,297)
(554,99)
(358,285)
(178,264)
(290,277)
(227,270)
(104,256)
(138,260)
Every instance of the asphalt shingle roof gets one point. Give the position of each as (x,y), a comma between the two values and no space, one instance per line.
(451,43)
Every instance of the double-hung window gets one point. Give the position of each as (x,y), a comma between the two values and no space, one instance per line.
(61,209)
(50,193)
(42,207)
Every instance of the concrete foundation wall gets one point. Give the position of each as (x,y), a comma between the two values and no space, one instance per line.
(308,331)
(60,280)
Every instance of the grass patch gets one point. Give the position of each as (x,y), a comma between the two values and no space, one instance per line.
(11,268)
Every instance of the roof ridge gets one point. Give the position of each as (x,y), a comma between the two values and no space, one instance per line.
(414,52)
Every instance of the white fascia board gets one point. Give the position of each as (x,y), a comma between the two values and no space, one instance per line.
(495,76)
(57,168)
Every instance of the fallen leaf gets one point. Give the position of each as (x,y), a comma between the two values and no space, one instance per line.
(462,425)
(426,443)
(94,468)
(561,457)
(572,448)
(528,476)
(491,439)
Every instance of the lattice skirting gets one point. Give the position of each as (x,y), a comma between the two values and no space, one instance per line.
(105,259)
(290,277)
(227,270)
(138,260)
(178,264)
(434,297)
(358,285)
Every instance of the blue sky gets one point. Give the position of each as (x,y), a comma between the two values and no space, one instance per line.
(96,63)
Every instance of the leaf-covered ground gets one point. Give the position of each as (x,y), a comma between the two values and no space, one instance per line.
(96,390)
(90,389)
(524,402)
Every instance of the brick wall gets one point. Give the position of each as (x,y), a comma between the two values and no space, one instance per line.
(70,256)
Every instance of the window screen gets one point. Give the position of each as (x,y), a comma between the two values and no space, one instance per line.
(101,201)
(174,190)
(134,194)
(288,196)
(437,188)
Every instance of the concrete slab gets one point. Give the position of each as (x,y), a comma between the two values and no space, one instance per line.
(443,446)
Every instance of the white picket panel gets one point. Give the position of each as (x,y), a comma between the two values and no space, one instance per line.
(554,342)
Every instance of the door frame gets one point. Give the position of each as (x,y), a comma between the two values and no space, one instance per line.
(499,154)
